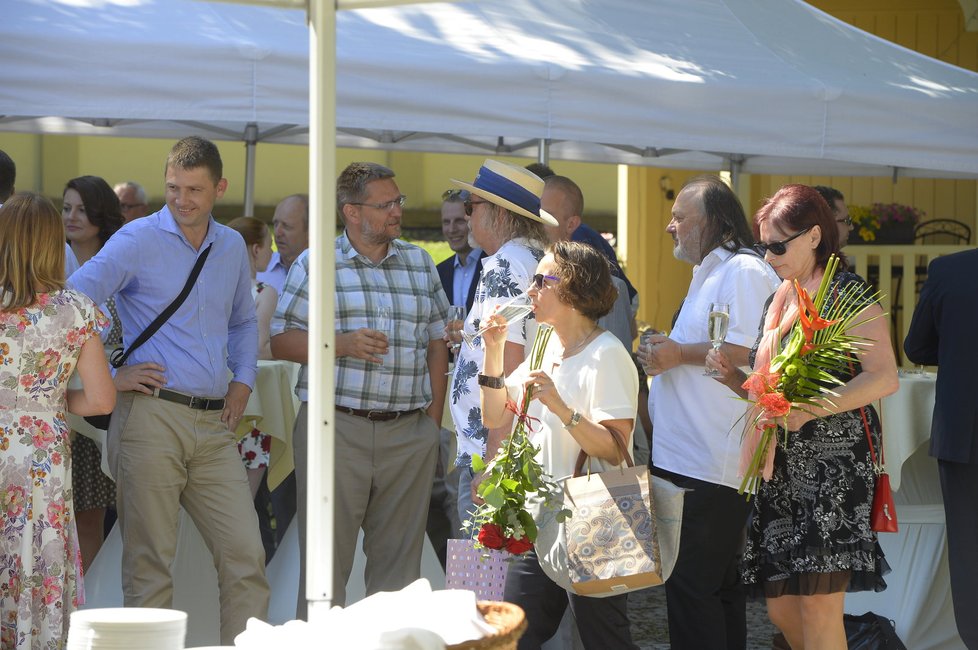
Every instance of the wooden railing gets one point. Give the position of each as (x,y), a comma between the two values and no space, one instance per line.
(894,271)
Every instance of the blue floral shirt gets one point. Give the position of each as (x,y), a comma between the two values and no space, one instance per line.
(505,274)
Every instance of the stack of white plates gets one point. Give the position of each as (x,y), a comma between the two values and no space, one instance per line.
(127,628)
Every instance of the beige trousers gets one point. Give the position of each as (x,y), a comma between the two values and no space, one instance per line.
(383,477)
(164,456)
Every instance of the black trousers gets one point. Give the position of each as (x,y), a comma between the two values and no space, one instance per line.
(602,622)
(959,484)
(707,605)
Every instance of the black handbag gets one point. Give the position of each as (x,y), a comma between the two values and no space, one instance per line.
(119,356)
(871,632)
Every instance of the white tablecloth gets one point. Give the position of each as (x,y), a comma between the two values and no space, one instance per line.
(918,595)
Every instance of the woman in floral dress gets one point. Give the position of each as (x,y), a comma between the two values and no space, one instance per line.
(45,330)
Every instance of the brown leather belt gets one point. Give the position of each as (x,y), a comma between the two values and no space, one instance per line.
(375,416)
(194,402)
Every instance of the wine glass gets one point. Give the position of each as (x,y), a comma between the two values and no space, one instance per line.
(384,322)
(645,347)
(512,310)
(456,321)
(717,323)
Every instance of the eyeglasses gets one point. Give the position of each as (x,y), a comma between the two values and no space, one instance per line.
(781,247)
(537,281)
(847,221)
(386,206)
(469,204)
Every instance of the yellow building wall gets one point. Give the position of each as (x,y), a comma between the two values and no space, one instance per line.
(46,162)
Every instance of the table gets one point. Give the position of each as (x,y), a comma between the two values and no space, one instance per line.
(918,595)
(272,407)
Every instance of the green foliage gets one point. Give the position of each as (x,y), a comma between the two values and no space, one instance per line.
(439,250)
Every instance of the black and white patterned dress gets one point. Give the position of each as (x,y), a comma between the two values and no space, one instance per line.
(809,530)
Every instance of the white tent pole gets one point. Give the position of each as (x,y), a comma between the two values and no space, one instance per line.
(251,139)
(322,286)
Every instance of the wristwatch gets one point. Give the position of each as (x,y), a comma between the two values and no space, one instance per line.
(491,382)
(575,419)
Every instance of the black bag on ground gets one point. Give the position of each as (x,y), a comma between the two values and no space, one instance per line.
(871,632)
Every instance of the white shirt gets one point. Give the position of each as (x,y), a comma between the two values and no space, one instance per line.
(274,274)
(696,419)
(600,382)
(71,262)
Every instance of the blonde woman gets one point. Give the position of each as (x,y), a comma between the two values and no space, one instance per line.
(45,331)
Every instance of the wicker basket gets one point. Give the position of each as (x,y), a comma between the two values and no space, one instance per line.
(509,621)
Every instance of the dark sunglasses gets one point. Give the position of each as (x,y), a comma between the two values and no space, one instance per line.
(468,204)
(537,280)
(847,221)
(781,247)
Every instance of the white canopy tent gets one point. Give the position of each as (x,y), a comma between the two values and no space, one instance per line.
(760,86)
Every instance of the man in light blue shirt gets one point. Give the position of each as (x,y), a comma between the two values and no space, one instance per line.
(171,439)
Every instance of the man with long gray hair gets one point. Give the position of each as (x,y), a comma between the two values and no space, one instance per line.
(695,443)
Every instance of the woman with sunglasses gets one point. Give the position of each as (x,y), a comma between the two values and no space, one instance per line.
(585,392)
(809,540)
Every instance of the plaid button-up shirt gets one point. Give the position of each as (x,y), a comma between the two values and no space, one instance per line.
(405,281)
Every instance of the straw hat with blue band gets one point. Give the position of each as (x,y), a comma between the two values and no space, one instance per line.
(515,188)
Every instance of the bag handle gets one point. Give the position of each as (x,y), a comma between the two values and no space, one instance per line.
(119,356)
(869,438)
(582,457)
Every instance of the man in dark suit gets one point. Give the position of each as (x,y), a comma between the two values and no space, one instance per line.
(460,272)
(943,333)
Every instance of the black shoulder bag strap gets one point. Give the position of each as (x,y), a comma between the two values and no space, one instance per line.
(119,356)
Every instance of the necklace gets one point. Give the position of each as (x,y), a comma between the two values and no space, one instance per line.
(577,347)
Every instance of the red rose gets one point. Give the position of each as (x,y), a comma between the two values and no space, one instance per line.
(518,546)
(491,536)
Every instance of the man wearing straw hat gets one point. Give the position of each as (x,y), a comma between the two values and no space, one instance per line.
(505,220)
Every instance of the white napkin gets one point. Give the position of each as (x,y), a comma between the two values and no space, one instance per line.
(415,618)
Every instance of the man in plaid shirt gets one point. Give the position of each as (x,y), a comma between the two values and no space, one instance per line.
(390,383)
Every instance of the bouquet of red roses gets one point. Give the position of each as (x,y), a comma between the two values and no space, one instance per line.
(514,474)
(805,369)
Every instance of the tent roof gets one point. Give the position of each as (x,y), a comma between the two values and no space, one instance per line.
(772,86)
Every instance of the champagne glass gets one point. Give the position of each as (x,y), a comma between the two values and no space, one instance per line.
(645,348)
(384,322)
(512,310)
(719,319)
(456,321)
